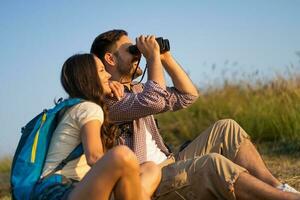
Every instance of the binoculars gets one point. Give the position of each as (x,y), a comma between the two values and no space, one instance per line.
(164,46)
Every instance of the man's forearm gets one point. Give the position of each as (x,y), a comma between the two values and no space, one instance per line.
(155,72)
(180,79)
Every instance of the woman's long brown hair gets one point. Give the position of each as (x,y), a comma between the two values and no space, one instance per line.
(79,78)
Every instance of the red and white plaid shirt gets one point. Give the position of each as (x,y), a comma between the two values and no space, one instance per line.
(139,106)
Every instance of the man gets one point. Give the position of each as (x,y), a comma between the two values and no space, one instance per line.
(221,163)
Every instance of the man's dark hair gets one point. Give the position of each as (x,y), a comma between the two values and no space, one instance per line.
(105,42)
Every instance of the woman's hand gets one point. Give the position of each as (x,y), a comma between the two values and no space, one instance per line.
(117,89)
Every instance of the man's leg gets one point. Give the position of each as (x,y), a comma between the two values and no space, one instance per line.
(249,187)
(208,177)
(213,176)
(227,138)
(249,158)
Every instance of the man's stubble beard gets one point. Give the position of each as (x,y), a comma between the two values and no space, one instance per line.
(126,73)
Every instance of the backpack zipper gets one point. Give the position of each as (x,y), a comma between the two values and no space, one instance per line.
(36,138)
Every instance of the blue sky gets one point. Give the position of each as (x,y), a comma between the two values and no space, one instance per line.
(36,37)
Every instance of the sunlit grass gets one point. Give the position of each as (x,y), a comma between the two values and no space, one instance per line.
(267,110)
(5,165)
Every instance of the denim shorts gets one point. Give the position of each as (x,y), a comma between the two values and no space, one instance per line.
(54,191)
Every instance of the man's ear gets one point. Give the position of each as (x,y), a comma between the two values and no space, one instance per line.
(109,58)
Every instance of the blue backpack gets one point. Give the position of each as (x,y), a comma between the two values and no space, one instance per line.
(29,158)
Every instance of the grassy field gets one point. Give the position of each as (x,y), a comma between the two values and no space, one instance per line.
(5,164)
(285,167)
(269,111)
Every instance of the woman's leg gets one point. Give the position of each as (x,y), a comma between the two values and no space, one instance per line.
(117,170)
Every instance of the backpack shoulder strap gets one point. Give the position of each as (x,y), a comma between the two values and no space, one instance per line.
(76,153)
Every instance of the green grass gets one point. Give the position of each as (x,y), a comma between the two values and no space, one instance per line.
(268,111)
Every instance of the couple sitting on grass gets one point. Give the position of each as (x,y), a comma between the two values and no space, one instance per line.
(130,160)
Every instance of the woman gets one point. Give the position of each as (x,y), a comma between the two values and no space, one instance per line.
(99,171)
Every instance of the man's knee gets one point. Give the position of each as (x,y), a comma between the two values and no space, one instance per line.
(226,122)
(230,128)
(207,162)
(214,167)
(216,174)
(150,166)
(206,170)
(214,158)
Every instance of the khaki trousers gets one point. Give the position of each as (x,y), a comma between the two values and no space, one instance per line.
(204,169)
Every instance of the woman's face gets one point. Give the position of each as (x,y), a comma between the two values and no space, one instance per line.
(103,76)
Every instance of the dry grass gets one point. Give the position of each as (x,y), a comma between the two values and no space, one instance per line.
(5,164)
(285,167)
(4,186)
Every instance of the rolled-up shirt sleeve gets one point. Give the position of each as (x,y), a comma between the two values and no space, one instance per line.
(151,100)
(177,100)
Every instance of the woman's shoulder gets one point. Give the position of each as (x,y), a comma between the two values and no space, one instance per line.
(86,110)
(86,105)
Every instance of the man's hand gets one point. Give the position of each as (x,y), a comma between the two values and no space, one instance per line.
(117,89)
(148,46)
(165,56)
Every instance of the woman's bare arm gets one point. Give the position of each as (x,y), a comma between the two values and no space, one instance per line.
(91,141)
